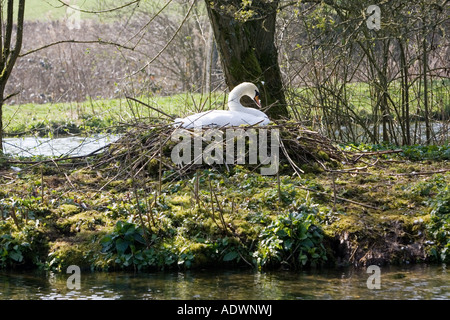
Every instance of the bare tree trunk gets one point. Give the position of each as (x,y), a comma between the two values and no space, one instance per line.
(247,49)
(1,118)
(425,80)
(384,91)
(9,54)
(405,93)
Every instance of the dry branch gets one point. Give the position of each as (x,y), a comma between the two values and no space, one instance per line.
(147,147)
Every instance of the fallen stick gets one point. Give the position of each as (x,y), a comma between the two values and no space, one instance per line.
(340,198)
(362,154)
(419,173)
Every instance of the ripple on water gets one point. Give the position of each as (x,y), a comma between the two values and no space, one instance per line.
(416,282)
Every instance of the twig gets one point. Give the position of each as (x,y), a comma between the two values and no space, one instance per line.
(220,211)
(292,163)
(144,229)
(150,210)
(353,253)
(160,167)
(13,215)
(279,186)
(196,188)
(98,41)
(42,183)
(212,203)
(363,154)
(153,108)
(168,42)
(340,198)
(133,182)
(354,170)
(334,193)
(419,173)
(100,11)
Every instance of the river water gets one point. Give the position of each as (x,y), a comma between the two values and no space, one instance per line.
(407,282)
(56,147)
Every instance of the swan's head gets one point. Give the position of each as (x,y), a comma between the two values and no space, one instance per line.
(244,89)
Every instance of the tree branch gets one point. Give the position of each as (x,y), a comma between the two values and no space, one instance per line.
(168,42)
(99,41)
(101,11)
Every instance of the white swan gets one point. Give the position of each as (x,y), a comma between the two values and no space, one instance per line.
(235,116)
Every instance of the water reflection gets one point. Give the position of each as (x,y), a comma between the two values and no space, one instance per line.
(67,146)
(415,282)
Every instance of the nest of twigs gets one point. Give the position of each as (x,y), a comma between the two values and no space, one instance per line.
(148,150)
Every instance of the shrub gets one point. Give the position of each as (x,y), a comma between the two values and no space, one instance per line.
(293,240)
(24,248)
(440,226)
(126,247)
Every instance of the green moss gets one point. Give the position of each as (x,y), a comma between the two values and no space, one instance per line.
(85,177)
(323,155)
(350,223)
(153,165)
(63,254)
(198,254)
(85,221)
(184,201)
(248,58)
(67,210)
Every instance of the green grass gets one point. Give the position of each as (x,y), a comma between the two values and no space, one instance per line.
(99,115)
(359,98)
(50,10)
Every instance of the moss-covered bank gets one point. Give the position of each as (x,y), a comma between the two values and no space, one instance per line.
(399,212)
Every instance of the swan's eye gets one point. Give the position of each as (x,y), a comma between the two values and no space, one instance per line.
(256,93)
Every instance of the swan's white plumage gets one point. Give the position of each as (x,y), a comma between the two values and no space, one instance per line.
(237,115)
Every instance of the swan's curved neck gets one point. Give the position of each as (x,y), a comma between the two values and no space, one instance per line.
(234,99)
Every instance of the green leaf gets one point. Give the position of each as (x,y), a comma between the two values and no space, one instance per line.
(139,238)
(307,243)
(16,255)
(128,257)
(230,256)
(288,244)
(303,259)
(106,239)
(121,245)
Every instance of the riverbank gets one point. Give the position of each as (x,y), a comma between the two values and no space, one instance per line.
(394,210)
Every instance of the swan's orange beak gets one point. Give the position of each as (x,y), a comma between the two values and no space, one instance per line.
(257,100)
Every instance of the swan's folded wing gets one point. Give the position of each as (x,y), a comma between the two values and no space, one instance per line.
(221,118)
